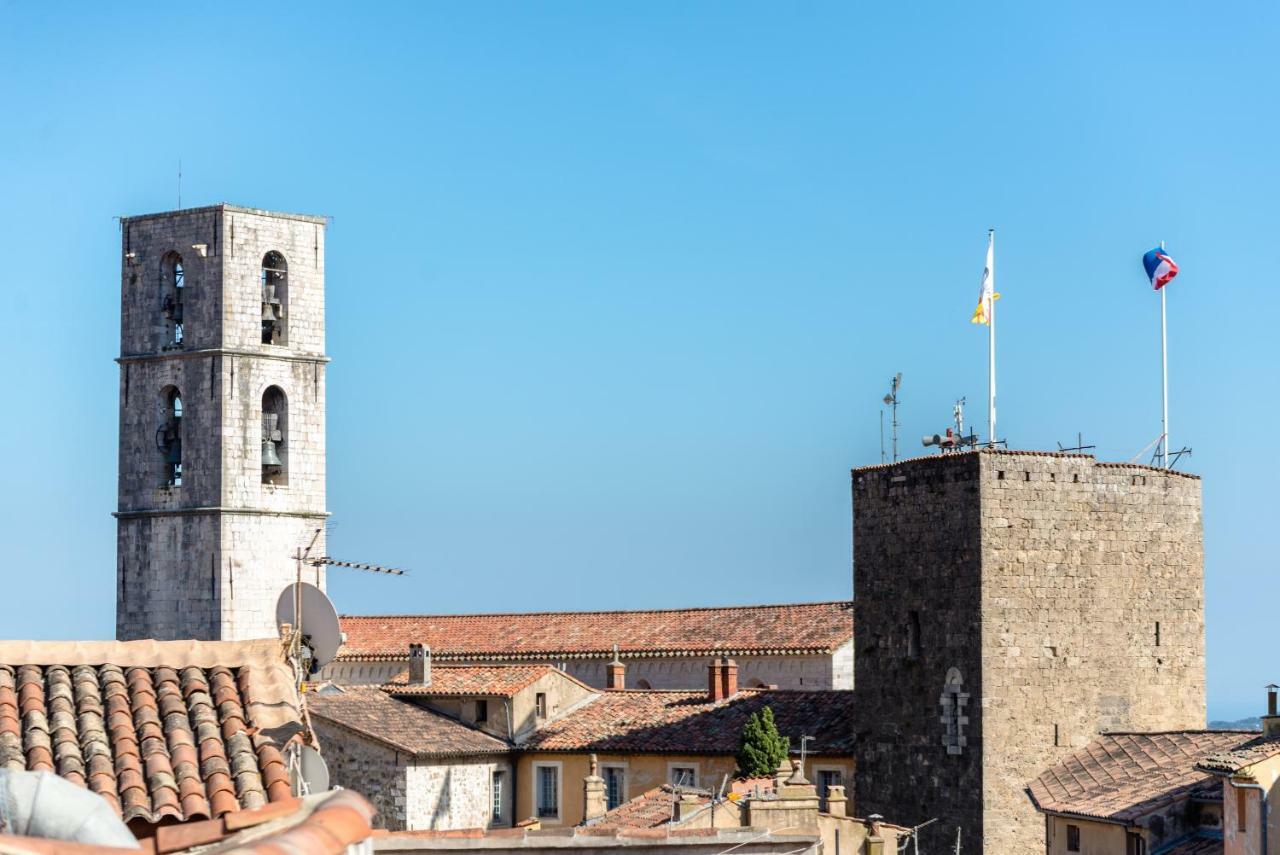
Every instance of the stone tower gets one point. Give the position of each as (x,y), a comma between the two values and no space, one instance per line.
(222,419)
(1008,606)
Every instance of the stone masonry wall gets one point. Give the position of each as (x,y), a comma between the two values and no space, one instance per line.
(454,793)
(1081,562)
(917,553)
(1041,578)
(371,768)
(222,521)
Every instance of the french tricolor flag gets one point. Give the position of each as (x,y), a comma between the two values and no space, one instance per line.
(1160,267)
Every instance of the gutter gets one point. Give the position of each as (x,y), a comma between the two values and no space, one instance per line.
(1262,794)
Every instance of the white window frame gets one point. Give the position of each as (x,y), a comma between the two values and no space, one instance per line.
(620,766)
(697,772)
(502,775)
(537,777)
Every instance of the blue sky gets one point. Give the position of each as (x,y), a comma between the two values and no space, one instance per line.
(615,289)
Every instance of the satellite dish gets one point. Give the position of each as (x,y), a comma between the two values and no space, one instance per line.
(319,621)
(308,773)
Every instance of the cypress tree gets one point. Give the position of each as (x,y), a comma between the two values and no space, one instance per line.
(762,749)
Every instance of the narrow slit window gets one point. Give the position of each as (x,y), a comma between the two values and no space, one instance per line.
(913,635)
(173,280)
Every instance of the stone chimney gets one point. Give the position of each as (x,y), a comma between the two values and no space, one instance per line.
(687,805)
(837,801)
(615,673)
(595,804)
(1271,721)
(419,665)
(875,842)
(722,679)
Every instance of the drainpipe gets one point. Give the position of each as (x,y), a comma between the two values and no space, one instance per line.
(1262,794)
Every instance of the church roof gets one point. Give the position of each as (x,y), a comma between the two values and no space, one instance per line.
(789,629)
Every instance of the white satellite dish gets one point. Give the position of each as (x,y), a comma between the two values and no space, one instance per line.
(308,773)
(319,623)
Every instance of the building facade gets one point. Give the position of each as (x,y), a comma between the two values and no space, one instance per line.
(222,419)
(1009,607)
(805,646)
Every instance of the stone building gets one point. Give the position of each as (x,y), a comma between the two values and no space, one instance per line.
(791,646)
(222,418)
(1009,607)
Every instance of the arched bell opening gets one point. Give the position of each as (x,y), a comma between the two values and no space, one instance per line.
(275,298)
(275,436)
(169,437)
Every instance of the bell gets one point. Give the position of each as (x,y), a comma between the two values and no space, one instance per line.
(269,455)
(173,451)
(269,313)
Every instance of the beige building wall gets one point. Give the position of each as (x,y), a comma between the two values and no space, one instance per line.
(1096,838)
(643,772)
(1246,838)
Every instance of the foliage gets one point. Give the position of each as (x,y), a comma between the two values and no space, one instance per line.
(762,749)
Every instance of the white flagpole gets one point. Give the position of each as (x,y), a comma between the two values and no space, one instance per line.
(991,356)
(1164,379)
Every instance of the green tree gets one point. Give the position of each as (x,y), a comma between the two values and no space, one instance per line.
(762,749)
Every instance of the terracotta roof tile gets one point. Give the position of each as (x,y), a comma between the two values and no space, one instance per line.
(156,729)
(1198,845)
(647,810)
(1121,776)
(1240,756)
(688,722)
(802,628)
(502,681)
(403,725)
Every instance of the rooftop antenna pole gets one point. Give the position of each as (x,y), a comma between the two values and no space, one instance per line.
(891,399)
(1164,381)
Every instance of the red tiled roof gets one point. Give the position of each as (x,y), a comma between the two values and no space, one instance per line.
(804,628)
(403,725)
(1254,751)
(1198,845)
(689,723)
(163,731)
(1121,776)
(647,810)
(502,681)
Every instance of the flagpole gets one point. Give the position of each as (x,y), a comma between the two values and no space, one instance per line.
(991,355)
(1164,379)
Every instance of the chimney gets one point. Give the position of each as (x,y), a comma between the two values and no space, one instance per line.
(419,665)
(837,802)
(594,802)
(615,673)
(1271,721)
(722,679)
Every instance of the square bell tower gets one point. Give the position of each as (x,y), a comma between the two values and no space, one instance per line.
(222,419)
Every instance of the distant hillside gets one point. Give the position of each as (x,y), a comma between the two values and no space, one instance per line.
(1254,723)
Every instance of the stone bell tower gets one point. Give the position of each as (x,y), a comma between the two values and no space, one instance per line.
(222,419)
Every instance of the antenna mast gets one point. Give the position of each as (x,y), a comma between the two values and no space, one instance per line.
(891,400)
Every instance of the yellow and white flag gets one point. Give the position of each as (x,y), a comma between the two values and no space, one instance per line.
(987,296)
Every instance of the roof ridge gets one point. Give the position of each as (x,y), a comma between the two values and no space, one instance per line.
(670,610)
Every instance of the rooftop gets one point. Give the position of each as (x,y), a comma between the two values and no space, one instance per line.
(690,723)
(1119,777)
(788,629)
(163,731)
(954,456)
(1241,756)
(503,681)
(404,726)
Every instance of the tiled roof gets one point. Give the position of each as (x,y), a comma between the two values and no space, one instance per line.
(403,725)
(1253,751)
(163,731)
(690,723)
(1198,845)
(804,628)
(647,810)
(502,681)
(323,824)
(1121,776)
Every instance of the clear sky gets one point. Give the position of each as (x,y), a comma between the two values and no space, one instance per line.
(615,289)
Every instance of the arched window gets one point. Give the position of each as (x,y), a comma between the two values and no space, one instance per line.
(275,436)
(643,684)
(169,437)
(755,683)
(172,282)
(275,298)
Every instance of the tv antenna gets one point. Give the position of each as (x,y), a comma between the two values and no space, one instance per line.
(891,400)
(1079,447)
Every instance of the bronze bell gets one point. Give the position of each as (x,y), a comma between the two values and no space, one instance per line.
(270,436)
(269,455)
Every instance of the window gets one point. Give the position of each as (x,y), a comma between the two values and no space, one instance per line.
(1157,633)
(482,710)
(615,785)
(828,778)
(643,684)
(275,429)
(1134,844)
(953,701)
(1242,810)
(1073,838)
(497,793)
(540,704)
(172,282)
(275,298)
(683,775)
(913,635)
(547,795)
(169,437)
